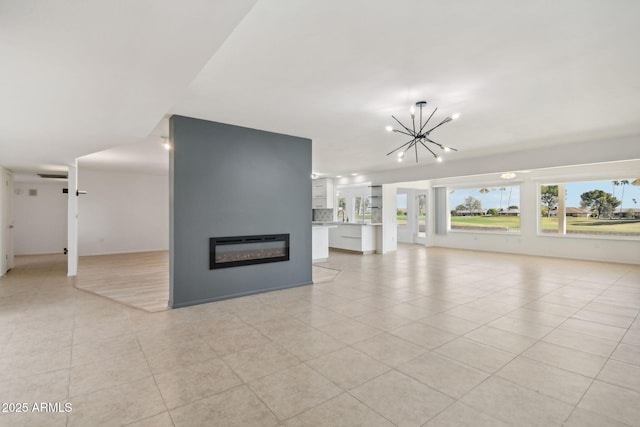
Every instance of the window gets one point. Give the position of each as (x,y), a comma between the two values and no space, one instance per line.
(401,209)
(486,209)
(596,208)
(362,209)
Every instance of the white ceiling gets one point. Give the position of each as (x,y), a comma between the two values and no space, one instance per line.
(78,77)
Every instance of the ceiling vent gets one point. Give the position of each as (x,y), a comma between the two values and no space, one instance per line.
(53,175)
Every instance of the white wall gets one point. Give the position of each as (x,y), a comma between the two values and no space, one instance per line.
(40,221)
(122,212)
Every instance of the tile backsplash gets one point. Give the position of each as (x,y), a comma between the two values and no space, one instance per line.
(322,215)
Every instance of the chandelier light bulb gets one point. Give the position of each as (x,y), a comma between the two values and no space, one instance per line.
(401,154)
(439,159)
(456,116)
(399,159)
(389,128)
(413,111)
(446,149)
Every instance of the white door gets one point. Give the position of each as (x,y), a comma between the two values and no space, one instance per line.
(420,212)
(6,223)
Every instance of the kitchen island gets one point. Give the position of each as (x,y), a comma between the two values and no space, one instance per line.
(359,237)
(320,241)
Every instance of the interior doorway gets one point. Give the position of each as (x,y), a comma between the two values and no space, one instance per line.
(6,223)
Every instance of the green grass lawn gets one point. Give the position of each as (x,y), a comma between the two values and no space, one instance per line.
(594,225)
(494,222)
(574,225)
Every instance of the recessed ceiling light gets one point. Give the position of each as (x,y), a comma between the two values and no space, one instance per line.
(354,174)
(338,176)
(508,175)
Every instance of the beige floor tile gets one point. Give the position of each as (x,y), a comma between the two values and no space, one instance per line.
(516,405)
(433,305)
(627,353)
(160,420)
(548,380)
(101,350)
(377,301)
(350,331)
(193,382)
(582,342)
(536,316)
(347,367)
(227,342)
(33,419)
(473,314)
(46,387)
(621,374)
(256,362)
(552,308)
(401,399)
(445,375)
(504,340)
(45,321)
(579,362)
(612,401)
(594,329)
(91,377)
(383,320)
(319,316)
(341,411)
(451,324)
(282,327)
(423,335)
(610,319)
(293,391)
(583,418)
(632,337)
(389,349)
(476,355)
(26,364)
(351,308)
(236,407)
(311,345)
(162,359)
(409,311)
(460,415)
(521,327)
(118,405)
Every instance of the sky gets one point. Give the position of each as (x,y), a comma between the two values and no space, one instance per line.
(511,195)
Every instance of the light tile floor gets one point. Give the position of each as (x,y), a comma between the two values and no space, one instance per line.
(420,337)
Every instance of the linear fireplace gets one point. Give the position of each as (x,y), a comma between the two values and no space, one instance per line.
(245,250)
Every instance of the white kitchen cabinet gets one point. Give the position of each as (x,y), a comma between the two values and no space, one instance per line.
(353,237)
(322,193)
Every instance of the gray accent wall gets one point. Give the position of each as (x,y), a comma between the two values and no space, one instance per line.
(232,181)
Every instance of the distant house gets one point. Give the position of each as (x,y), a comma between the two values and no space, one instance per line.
(575,212)
(509,212)
(627,213)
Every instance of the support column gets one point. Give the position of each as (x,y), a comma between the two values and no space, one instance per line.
(562,216)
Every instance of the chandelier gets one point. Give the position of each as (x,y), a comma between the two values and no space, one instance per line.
(419,135)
